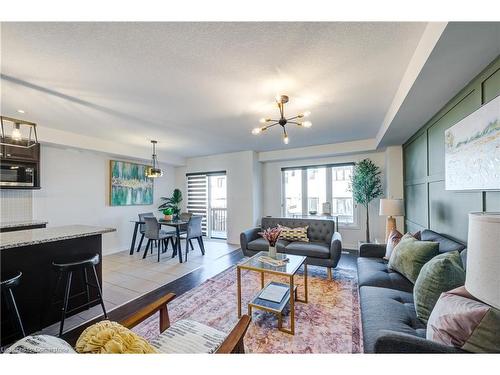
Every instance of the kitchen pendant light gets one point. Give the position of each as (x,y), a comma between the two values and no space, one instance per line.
(16,138)
(154,171)
(281,100)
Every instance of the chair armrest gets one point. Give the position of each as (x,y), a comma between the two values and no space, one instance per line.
(234,341)
(248,236)
(336,247)
(144,313)
(372,250)
(396,342)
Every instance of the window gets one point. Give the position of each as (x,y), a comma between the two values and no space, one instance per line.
(311,189)
(342,202)
(292,183)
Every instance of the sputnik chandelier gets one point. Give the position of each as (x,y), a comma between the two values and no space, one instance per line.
(280,101)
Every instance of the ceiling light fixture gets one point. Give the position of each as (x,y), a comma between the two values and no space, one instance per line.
(16,138)
(280,101)
(154,171)
(21,111)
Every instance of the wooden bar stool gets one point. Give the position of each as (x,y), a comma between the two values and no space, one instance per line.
(8,296)
(67,270)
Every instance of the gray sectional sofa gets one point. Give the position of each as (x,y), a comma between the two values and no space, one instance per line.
(389,320)
(324,248)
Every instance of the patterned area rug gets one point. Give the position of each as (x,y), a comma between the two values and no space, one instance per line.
(329,323)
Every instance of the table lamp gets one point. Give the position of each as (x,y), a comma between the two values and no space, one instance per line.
(390,208)
(482,278)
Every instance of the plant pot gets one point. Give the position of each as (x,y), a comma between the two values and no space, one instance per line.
(272,251)
(168,217)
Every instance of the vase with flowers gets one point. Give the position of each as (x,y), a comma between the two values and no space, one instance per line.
(271,235)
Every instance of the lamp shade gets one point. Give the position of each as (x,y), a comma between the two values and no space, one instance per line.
(391,207)
(482,278)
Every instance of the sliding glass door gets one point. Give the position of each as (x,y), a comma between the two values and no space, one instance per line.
(207,196)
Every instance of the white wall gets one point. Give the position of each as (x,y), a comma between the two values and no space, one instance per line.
(75,190)
(243,187)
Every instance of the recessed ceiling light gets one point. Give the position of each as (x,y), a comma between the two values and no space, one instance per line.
(21,111)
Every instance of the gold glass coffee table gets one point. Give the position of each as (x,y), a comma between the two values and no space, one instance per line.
(289,269)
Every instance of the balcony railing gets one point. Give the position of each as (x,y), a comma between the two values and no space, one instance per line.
(218,222)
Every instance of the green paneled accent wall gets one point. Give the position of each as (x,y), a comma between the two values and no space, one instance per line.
(428,204)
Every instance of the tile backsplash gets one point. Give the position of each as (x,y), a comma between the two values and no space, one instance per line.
(16,205)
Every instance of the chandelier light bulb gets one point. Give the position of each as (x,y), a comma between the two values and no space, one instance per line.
(16,133)
(256,131)
(285,139)
(262,120)
(307,124)
(306,114)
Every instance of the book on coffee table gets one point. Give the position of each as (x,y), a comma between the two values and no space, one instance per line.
(273,293)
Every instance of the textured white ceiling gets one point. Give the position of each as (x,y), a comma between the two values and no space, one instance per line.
(199,88)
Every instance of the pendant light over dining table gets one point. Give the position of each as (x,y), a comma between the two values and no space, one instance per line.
(154,170)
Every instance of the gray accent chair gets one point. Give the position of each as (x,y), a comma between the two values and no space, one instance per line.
(389,320)
(324,248)
(153,232)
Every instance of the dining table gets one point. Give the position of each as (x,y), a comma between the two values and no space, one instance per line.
(176,223)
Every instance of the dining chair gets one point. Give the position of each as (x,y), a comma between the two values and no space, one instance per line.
(153,232)
(194,231)
(142,227)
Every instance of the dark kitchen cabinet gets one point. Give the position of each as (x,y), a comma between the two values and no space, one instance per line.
(21,153)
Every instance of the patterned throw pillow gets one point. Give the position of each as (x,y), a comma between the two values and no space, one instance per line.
(40,344)
(109,338)
(394,237)
(410,255)
(460,320)
(189,337)
(294,234)
(442,273)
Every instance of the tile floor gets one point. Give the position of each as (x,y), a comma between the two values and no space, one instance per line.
(126,277)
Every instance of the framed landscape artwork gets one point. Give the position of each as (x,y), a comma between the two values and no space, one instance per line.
(129,184)
(472,150)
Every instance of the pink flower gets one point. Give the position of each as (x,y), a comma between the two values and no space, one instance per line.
(271,235)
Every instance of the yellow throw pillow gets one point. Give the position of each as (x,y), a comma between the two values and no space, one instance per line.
(108,337)
(294,234)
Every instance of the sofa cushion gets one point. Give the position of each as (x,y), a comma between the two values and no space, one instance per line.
(445,244)
(440,274)
(318,230)
(189,337)
(410,255)
(310,249)
(374,272)
(387,309)
(261,244)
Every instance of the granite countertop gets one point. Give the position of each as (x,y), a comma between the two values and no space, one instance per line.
(20,224)
(36,236)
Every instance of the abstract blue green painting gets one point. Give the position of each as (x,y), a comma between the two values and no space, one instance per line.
(129,184)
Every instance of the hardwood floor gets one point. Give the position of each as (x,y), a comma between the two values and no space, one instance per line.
(182,285)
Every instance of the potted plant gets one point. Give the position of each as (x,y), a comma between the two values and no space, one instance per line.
(271,235)
(168,214)
(366,185)
(173,203)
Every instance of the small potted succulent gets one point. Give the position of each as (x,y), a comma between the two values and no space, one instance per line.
(168,214)
(271,235)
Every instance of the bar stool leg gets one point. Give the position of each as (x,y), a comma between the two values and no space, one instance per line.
(16,312)
(65,302)
(99,293)
(87,290)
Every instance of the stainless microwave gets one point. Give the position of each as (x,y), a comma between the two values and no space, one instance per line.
(17,174)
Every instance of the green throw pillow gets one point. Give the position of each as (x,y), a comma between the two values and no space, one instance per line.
(441,274)
(410,255)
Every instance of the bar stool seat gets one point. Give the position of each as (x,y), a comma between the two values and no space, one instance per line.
(67,269)
(6,287)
